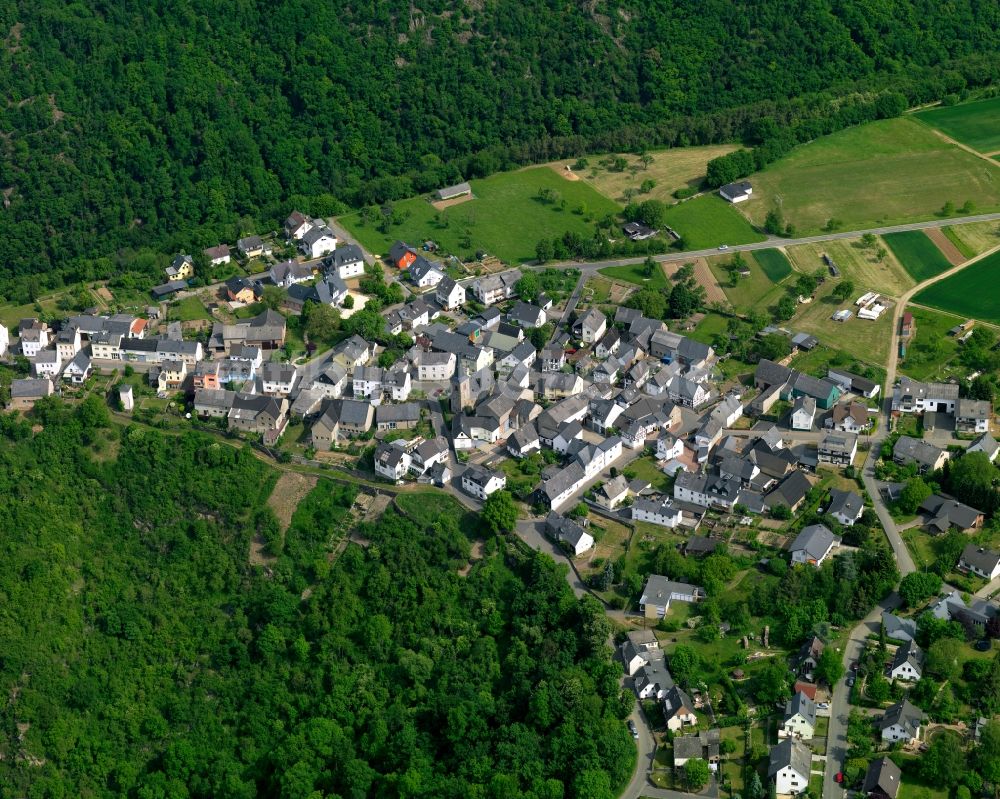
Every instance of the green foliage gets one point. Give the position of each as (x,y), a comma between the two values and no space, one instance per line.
(830,667)
(944,761)
(918,586)
(696,774)
(971,479)
(499,512)
(914,492)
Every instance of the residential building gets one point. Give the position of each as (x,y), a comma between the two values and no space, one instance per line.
(910,396)
(392,461)
(297,225)
(34,337)
(813,545)
(428,453)
(347,261)
(331,381)
(907,664)
(980,561)
(678,709)
(404,416)
(660,591)
(849,417)
(68,343)
(526,315)
(973,416)
(925,455)
(987,445)
(343,418)
(591,326)
(882,780)
(489,290)
(367,382)
(317,242)
(789,767)
(181,268)
(638,648)
(737,193)
(569,533)
(244,290)
(425,274)
(943,514)
(524,441)
(897,628)
(213,403)
(900,722)
(47,364)
(611,493)
(256,413)
(790,492)
(800,718)
(480,482)
(289,273)
(173,373)
(278,379)
(401,255)
(856,384)
(656,511)
(703,746)
(25,392)
(79,368)
(838,449)
(265,331)
(845,506)
(450,294)
(252,247)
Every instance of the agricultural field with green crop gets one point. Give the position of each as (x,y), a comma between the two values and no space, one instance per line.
(917,253)
(976,125)
(971,293)
(709,221)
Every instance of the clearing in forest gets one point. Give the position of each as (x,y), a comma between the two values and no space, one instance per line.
(888,172)
(288,492)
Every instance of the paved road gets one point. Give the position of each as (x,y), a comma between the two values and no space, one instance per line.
(774,241)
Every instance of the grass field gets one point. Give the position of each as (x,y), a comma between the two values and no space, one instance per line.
(855,263)
(886,172)
(970,293)
(749,292)
(188,310)
(975,237)
(873,339)
(674,169)
(504,218)
(976,125)
(709,221)
(929,353)
(774,263)
(917,253)
(708,327)
(635,273)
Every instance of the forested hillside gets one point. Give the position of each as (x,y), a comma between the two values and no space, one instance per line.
(142,656)
(175,125)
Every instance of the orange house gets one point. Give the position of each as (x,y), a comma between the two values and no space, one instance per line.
(402,255)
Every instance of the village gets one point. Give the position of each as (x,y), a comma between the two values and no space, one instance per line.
(598,422)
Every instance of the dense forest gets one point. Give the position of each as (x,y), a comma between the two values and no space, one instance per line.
(142,656)
(166,125)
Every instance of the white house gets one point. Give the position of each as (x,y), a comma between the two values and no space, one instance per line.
(640,647)
(47,364)
(450,294)
(392,461)
(348,261)
(288,273)
(278,379)
(569,532)
(737,193)
(813,545)
(980,561)
(678,709)
(591,326)
(297,225)
(900,722)
(659,592)
(317,242)
(481,482)
(845,506)
(424,273)
(654,511)
(911,396)
(34,339)
(4,340)
(78,369)
(907,664)
(800,717)
(367,382)
(803,413)
(789,767)
(435,365)
(568,433)
(399,384)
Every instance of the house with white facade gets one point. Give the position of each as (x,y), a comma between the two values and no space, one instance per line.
(789,767)
(392,461)
(47,363)
(348,261)
(660,591)
(480,482)
(813,545)
(317,242)
(278,379)
(901,722)
(450,294)
(907,664)
(656,511)
(800,718)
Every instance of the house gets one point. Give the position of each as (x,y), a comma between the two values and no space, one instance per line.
(824,392)
(553,358)
(591,326)
(392,461)
(897,628)
(526,315)
(980,561)
(265,331)
(849,417)
(278,379)
(568,433)
(68,343)
(703,746)
(973,416)
(450,294)
(638,231)
(352,352)
(24,393)
(790,492)
(347,261)
(524,441)
(813,545)
(678,709)
(297,225)
(317,242)
(213,403)
(435,365)
(341,418)
(987,445)
(404,416)
(656,511)
(803,413)
(243,289)
(907,664)
(944,514)
(367,382)
(489,290)
(789,767)
(480,482)
(569,532)
(768,373)
(838,449)
(882,780)
(652,680)
(173,373)
(845,506)
(708,491)
(856,384)
(808,656)
(737,193)
(181,268)
(612,493)
(425,274)
(401,255)
(288,273)
(669,447)
(47,364)
(453,192)
(659,592)
(800,718)
(252,247)
(925,455)
(79,369)
(638,648)
(34,337)
(259,414)
(910,396)
(900,722)
(428,453)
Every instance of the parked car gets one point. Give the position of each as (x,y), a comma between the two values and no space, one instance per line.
(633,729)
(723,246)
(850,681)
(823,705)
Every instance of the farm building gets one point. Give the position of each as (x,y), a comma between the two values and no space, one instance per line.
(842,316)
(736,192)
(451,192)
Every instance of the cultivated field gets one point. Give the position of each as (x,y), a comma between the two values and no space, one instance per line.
(709,221)
(974,238)
(970,293)
(758,290)
(918,254)
(886,172)
(855,336)
(976,125)
(774,263)
(505,218)
(855,263)
(679,168)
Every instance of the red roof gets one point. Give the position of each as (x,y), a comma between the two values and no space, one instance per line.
(806,687)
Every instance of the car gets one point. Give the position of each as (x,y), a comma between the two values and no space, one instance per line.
(823,705)
(633,729)
(723,246)
(983,645)
(850,681)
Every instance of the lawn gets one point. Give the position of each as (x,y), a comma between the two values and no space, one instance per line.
(189,309)
(11,314)
(886,172)
(855,263)
(917,253)
(645,469)
(597,290)
(504,218)
(976,125)
(873,338)
(970,293)
(709,221)
(932,348)
(749,292)
(774,263)
(817,361)
(636,273)
(708,327)
(681,167)
(975,237)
